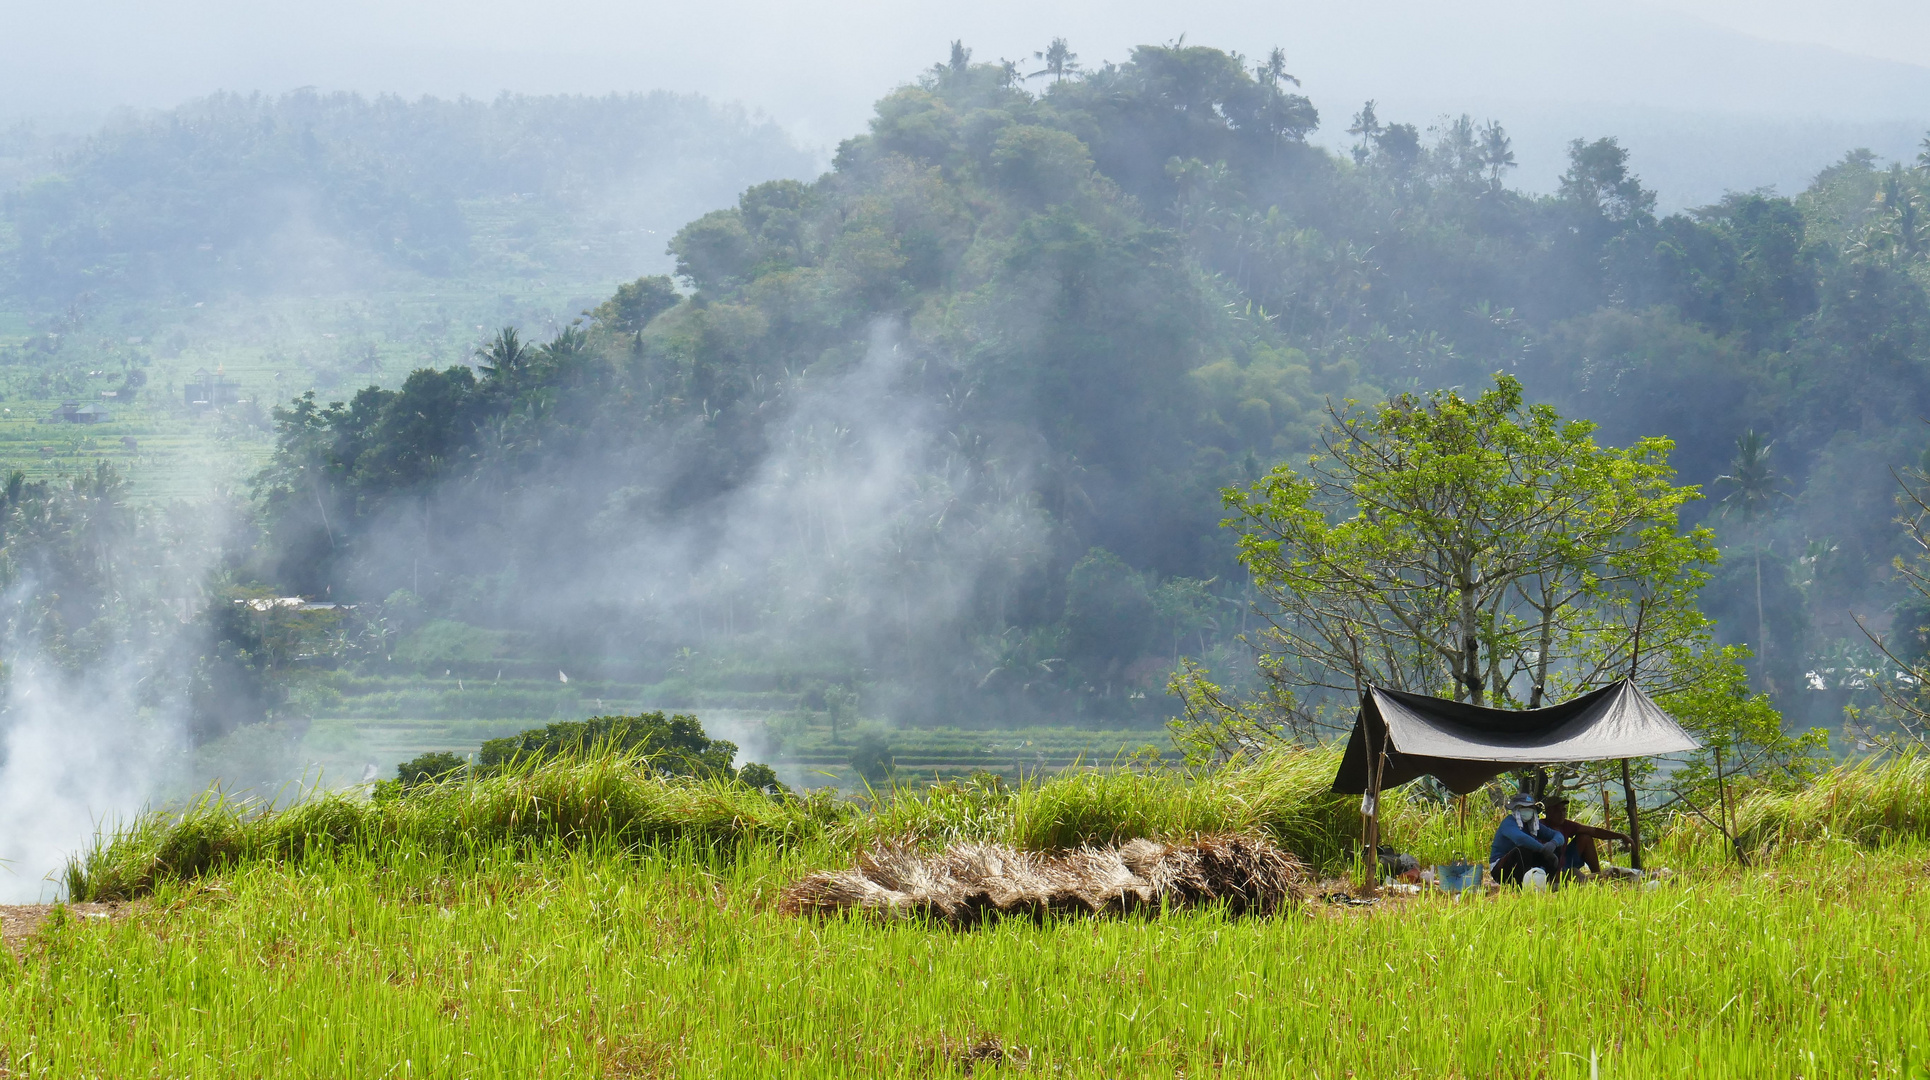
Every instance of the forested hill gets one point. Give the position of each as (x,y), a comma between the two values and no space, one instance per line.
(309,192)
(951,421)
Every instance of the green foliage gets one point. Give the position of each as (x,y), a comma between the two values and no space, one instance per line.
(871,759)
(671,746)
(429,767)
(635,304)
(1745,729)
(1872,803)
(568,801)
(1143,274)
(1483,548)
(574,799)
(424,958)
(444,641)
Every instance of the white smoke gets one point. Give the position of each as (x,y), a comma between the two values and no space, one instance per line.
(95,699)
(75,755)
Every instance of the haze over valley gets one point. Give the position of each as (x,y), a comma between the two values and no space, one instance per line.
(869,386)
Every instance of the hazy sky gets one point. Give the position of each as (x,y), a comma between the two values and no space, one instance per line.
(1567,67)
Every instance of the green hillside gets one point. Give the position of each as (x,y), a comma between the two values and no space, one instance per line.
(944,432)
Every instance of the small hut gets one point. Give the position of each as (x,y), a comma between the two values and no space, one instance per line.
(1400,737)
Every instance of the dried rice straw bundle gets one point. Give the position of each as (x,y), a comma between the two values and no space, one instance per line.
(969,882)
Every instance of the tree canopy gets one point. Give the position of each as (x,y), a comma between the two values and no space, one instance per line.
(1479,548)
(1071,312)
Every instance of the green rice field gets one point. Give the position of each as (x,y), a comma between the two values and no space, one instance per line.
(597,947)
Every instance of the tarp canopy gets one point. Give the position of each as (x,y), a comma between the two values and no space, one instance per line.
(1465,746)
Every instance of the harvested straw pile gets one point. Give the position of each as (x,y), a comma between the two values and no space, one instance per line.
(968,883)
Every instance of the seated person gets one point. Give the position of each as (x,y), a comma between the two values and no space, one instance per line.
(1521,844)
(1580,850)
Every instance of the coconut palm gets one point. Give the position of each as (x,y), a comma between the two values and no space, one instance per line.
(503,354)
(1274,71)
(1060,61)
(1497,152)
(1754,489)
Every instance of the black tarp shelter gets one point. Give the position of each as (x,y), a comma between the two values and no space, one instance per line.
(1465,746)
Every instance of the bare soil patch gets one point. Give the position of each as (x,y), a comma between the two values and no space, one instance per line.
(19,921)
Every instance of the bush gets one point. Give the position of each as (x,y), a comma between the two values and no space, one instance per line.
(673,746)
(424,768)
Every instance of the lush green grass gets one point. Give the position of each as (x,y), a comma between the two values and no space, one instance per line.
(603,960)
(1863,803)
(582,920)
(608,800)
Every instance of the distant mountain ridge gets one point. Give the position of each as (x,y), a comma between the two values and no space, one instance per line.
(310,191)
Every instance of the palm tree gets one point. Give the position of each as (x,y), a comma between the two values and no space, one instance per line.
(1060,61)
(1497,152)
(1754,488)
(1274,71)
(1367,127)
(1906,208)
(503,354)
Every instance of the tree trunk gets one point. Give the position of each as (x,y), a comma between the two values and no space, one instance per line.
(1541,657)
(1634,819)
(1470,647)
(1762,629)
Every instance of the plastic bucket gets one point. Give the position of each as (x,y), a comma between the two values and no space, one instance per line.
(1459,877)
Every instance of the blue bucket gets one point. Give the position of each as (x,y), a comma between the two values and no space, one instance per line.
(1459,877)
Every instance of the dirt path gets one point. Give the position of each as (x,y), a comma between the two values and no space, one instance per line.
(19,921)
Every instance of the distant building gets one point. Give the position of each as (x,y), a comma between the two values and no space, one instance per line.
(286,603)
(73,412)
(206,387)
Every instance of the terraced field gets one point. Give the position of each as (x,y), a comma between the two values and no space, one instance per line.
(357,331)
(386,720)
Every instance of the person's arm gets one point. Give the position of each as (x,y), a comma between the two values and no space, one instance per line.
(1515,835)
(1576,828)
(1548,839)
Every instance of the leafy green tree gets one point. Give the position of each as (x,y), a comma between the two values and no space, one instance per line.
(1273,71)
(1108,614)
(1906,643)
(636,303)
(1484,548)
(840,707)
(1598,181)
(871,759)
(671,745)
(429,767)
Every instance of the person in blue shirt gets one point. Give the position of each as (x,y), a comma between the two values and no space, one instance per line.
(1523,843)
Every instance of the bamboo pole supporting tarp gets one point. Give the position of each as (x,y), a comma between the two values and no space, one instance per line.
(1634,819)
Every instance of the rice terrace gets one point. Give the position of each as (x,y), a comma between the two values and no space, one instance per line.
(613,542)
(577,919)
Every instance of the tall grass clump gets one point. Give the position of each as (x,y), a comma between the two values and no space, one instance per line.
(1283,794)
(606,798)
(1870,802)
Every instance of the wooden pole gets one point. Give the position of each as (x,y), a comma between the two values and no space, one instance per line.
(1634,821)
(1628,783)
(1370,834)
(1722,808)
(1608,814)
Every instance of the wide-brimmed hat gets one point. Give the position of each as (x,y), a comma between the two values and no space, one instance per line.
(1524,800)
